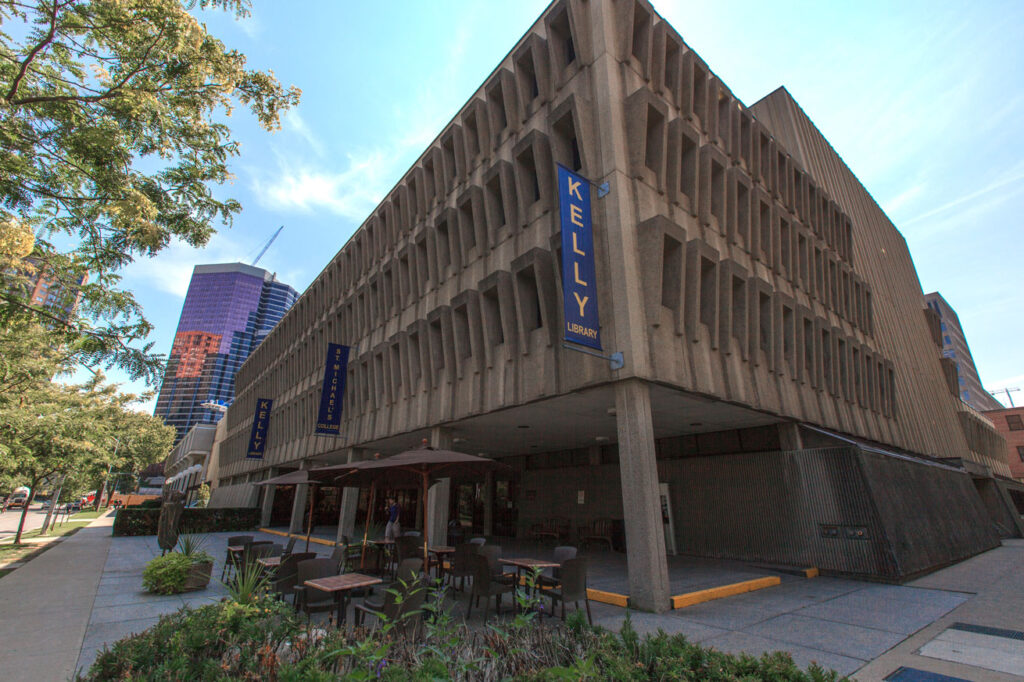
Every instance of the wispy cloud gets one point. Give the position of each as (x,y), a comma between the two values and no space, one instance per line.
(171,271)
(294,122)
(1012,177)
(904,198)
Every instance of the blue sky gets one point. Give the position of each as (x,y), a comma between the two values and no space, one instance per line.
(923,100)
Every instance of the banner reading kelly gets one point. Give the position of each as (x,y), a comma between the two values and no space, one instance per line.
(260,422)
(328,422)
(579,285)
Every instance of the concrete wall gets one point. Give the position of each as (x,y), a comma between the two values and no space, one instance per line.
(238,495)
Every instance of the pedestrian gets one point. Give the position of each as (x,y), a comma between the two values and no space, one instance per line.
(394,528)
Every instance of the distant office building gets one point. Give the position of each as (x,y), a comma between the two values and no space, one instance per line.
(1010,422)
(954,347)
(35,286)
(229,309)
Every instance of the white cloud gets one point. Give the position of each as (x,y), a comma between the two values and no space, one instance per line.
(294,122)
(1007,179)
(905,197)
(171,270)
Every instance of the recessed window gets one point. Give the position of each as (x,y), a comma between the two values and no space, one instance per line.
(1014,422)
(1020,452)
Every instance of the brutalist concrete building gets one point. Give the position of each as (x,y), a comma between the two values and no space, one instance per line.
(782,380)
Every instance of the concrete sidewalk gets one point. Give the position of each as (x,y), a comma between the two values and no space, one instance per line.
(46,606)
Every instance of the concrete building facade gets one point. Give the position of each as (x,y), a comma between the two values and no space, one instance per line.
(954,347)
(782,379)
(1009,421)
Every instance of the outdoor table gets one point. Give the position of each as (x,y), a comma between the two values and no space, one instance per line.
(270,562)
(340,585)
(528,564)
(440,551)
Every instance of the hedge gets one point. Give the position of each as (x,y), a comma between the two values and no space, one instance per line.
(139,521)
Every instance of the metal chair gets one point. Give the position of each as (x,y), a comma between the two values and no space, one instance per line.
(286,576)
(310,600)
(492,553)
(290,547)
(484,585)
(573,588)
(229,559)
(402,604)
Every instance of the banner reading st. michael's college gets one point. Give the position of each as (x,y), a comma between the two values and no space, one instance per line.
(260,422)
(579,284)
(328,421)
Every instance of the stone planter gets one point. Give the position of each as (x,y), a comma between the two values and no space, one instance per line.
(198,576)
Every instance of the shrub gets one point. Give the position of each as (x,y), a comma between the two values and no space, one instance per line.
(266,640)
(137,521)
(167,574)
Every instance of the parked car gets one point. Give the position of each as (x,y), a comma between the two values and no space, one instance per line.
(17,500)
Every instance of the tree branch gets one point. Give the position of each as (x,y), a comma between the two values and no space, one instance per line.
(35,51)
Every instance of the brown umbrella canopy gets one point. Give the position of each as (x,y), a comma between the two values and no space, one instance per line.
(291,478)
(412,468)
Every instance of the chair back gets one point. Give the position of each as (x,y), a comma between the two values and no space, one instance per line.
(287,573)
(339,556)
(491,553)
(574,579)
(409,569)
(290,546)
(408,546)
(413,597)
(562,554)
(461,567)
(258,551)
(480,569)
(311,569)
(478,541)
(276,549)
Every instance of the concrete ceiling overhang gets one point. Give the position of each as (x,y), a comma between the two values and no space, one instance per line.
(576,420)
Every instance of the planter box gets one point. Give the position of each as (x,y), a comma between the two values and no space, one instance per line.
(199,576)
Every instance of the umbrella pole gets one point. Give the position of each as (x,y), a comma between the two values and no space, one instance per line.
(366,529)
(309,525)
(426,523)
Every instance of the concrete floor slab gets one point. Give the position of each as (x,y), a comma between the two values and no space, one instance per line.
(838,638)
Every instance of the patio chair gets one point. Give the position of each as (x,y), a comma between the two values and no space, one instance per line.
(478,541)
(461,566)
(492,553)
(599,531)
(233,541)
(256,550)
(290,547)
(276,549)
(401,605)
(408,547)
(573,588)
(340,558)
(484,585)
(310,600)
(285,577)
(562,554)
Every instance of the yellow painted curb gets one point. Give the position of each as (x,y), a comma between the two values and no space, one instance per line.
(319,541)
(682,600)
(274,532)
(811,572)
(608,597)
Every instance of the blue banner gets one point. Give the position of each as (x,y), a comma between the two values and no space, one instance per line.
(579,283)
(260,422)
(328,421)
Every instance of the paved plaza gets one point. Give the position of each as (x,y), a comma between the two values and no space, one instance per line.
(962,622)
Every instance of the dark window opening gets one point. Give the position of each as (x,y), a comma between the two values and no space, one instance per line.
(561,34)
(492,315)
(529,295)
(641,24)
(764,321)
(708,291)
(671,273)
(688,172)
(462,338)
(444,256)
(436,347)
(529,167)
(718,192)
(653,138)
(739,308)
(1013,421)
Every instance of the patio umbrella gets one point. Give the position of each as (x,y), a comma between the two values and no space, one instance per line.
(419,467)
(294,478)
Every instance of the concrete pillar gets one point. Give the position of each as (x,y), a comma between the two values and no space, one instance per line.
(489,503)
(439,493)
(267,506)
(789,436)
(300,504)
(349,501)
(645,539)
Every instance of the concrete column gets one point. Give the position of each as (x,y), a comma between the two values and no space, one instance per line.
(645,540)
(300,504)
(267,506)
(439,493)
(789,436)
(489,503)
(349,501)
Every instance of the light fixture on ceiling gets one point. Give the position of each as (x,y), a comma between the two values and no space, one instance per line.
(612,411)
(458,440)
(601,439)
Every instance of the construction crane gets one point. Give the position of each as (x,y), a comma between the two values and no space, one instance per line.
(267,246)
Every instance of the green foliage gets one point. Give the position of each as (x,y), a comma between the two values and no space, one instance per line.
(167,574)
(264,639)
(111,142)
(139,521)
(203,496)
(192,545)
(249,583)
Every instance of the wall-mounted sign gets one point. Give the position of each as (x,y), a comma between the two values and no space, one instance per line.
(260,422)
(579,283)
(328,421)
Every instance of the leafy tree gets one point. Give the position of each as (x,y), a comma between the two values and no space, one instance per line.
(52,430)
(111,140)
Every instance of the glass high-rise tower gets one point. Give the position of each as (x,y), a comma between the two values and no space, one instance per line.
(229,309)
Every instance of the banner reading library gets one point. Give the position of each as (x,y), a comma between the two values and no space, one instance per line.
(579,284)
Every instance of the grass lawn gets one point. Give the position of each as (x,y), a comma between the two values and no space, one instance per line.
(12,553)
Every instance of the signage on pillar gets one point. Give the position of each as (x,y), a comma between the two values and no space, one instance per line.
(328,421)
(260,422)
(579,284)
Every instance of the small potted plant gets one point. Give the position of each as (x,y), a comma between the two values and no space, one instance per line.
(188,569)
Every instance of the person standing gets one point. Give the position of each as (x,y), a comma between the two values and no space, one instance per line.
(394,528)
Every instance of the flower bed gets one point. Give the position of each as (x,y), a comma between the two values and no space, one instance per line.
(139,521)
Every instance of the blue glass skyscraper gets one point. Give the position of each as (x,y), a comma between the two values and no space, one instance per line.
(229,309)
